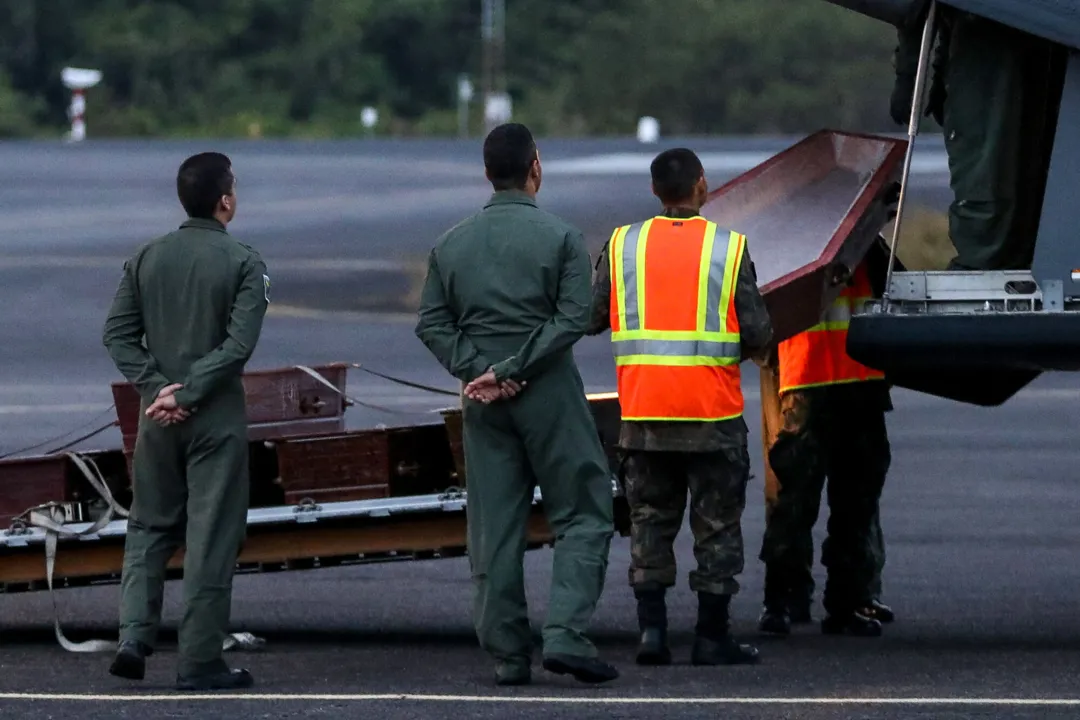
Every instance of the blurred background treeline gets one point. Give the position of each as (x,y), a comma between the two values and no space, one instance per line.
(305,68)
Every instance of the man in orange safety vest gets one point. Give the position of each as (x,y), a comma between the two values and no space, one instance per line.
(681,299)
(833,426)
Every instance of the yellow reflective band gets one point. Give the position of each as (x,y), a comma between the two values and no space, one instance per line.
(645,418)
(643,238)
(848,381)
(688,361)
(731,272)
(830,325)
(704,275)
(617,277)
(674,335)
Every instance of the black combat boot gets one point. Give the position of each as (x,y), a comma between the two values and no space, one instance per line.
(652,621)
(713,644)
(854,623)
(774,618)
(799,612)
(130,660)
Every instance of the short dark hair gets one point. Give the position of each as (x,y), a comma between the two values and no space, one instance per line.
(674,174)
(201,181)
(509,151)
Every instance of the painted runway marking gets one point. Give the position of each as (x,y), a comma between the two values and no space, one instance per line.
(275,266)
(541,700)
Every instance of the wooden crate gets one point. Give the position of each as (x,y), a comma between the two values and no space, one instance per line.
(29,482)
(280,403)
(607,415)
(364,464)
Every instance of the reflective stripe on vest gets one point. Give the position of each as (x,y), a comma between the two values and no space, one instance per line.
(818,356)
(674,333)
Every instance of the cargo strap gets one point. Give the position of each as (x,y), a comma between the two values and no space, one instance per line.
(50,518)
(319,377)
(406,383)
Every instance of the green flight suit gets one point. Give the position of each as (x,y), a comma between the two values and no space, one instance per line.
(509,288)
(989,94)
(199,297)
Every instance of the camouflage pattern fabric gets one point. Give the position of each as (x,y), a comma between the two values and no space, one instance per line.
(657,484)
(833,438)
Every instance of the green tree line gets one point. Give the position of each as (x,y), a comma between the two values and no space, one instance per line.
(573,67)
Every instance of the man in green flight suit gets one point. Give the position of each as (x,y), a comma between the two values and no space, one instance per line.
(506,297)
(198,297)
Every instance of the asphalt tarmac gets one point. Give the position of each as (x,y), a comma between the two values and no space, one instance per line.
(979,511)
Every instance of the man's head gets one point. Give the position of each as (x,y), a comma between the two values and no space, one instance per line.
(207,187)
(511,160)
(678,179)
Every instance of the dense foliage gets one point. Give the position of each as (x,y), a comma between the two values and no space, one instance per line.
(306,67)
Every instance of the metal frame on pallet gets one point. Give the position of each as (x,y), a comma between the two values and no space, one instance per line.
(307,511)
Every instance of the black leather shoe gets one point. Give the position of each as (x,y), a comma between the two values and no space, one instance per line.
(509,675)
(130,660)
(707,651)
(584,669)
(879,611)
(855,624)
(800,614)
(773,622)
(234,679)
(653,649)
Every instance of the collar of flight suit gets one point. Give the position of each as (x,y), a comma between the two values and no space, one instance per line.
(506,197)
(203,224)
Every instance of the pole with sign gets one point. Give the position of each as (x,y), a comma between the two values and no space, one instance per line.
(465,95)
(78,80)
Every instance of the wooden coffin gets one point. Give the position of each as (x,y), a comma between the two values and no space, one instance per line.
(280,402)
(364,464)
(810,214)
(32,481)
(606,413)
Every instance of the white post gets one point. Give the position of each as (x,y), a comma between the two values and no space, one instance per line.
(78,80)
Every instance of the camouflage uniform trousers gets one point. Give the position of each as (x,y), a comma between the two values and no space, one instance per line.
(801,586)
(834,440)
(657,483)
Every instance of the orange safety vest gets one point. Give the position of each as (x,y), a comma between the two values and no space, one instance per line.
(818,356)
(674,332)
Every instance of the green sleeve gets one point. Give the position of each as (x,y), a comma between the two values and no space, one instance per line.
(600,317)
(438,330)
(569,322)
(227,360)
(123,338)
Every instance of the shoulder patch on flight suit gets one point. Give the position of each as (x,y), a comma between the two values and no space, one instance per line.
(266,287)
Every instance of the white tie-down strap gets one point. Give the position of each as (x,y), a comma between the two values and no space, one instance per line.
(50,518)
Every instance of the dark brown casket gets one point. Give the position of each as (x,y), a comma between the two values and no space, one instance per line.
(280,402)
(364,464)
(606,413)
(810,214)
(300,449)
